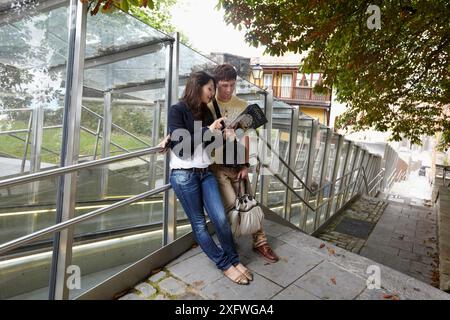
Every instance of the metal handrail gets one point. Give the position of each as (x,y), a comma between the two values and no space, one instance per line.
(75,167)
(116,126)
(26,130)
(379,173)
(375,185)
(285,184)
(296,193)
(112,142)
(286,165)
(8,246)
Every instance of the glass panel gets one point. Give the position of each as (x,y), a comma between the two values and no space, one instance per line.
(25,272)
(110,33)
(348,171)
(318,158)
(355,175)
(33,42)
(303,140)
(329,168)
(27,208)
(111,242)
(337,188)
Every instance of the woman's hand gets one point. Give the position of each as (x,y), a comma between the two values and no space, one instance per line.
(216,125)
(164,144)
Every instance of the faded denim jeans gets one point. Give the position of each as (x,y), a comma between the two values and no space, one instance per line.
(196,191)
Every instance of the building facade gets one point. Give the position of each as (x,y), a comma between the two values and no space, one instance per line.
(282,75)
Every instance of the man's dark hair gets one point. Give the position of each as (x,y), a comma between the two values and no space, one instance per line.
(225,72)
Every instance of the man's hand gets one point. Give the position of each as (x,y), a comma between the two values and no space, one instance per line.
(229,134)
(164,144)
(243,173)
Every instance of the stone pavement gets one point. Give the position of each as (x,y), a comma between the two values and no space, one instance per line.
(309,268)
(362,214)
(405,239)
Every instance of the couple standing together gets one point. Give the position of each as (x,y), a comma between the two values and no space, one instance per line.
(201,182)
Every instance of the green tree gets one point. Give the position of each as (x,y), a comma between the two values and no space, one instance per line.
(394,78)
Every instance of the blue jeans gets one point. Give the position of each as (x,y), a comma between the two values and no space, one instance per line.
(196,191)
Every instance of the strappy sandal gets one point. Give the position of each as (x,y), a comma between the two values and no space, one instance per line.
(237,277)
(246,272)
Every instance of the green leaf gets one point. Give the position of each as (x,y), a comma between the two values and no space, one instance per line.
(124,5)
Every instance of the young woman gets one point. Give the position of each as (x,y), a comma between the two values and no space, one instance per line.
(193,182)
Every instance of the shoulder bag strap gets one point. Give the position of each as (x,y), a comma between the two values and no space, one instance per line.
(216,108)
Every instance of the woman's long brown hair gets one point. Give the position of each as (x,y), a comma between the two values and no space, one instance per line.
(193,93)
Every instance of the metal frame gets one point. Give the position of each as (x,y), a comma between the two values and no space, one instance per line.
(340,193)
(37,124)
(315,130)
(65,205)
(323,173)
(337,161)
(106,144)
(265,178)
(291,161)
(155,140)
(171,93)
(350,179)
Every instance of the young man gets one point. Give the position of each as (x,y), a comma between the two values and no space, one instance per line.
(229,171)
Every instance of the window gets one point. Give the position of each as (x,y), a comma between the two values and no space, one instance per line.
(286,85)
(268,80)
(315,79)
(306,79)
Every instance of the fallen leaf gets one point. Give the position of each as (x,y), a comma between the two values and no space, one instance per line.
(333,280)
(322,245)
(198,283)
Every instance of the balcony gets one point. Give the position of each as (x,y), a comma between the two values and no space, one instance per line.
(302,95)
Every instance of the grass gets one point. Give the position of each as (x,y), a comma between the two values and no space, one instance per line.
(52,140)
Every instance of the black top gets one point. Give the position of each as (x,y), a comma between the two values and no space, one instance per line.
(181,117)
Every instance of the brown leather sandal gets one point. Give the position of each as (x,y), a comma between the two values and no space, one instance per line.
(235,275)
(246,272)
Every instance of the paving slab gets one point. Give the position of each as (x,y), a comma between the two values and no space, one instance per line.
(328,281)
(173,286)
(259,289)
(197,270)
(294,292)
